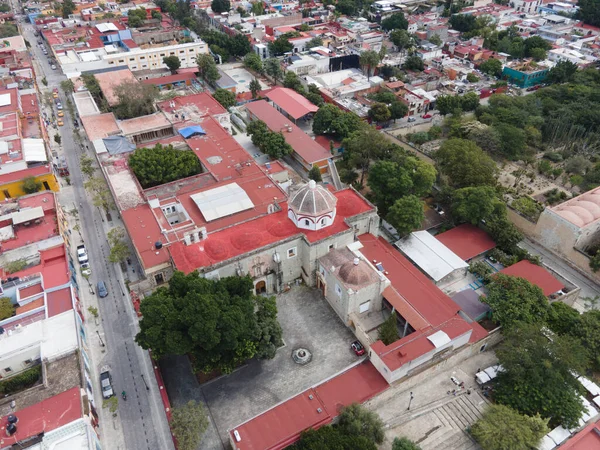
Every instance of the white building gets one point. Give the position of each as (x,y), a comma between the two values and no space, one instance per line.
(309,64)
(152,58)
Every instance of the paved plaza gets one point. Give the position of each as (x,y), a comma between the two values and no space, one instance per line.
(308,322)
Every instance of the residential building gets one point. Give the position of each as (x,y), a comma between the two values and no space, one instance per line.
(525,74)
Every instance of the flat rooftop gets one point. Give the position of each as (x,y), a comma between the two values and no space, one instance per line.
(466,241)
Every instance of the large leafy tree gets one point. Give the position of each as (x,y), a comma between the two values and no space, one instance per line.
(207,68)
(379,112)
(563,71)
(503,428)
(220,6)
(219,323)
(162,164)
(406,214)
(562,318)
(401,39)
(413,62)
(331,438)
(188,424)
(465,164)
(329,119)
(538,374)
(388,330)
(255,87)
(68,7)
(474,204)
(587,332)
(589,12)
(269,142)
(396,21)
(119,249)
(225,97)
(390,180)
(172,62)
(357,420)
(514,299)
(280,46)
(273,69)
(6,308)
(491,67)
(363,146)
(252,61)
(403,443)
(369,60)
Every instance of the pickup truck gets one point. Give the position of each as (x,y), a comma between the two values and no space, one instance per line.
(106,382)
(82,256)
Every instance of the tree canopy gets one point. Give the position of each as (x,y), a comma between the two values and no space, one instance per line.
(269,142)
(465,164)
(188,424)
(280,46)
(357,420)
(162,164)
(396,21)
(172,62)
(369,60)
(388,330)
(252,61)
(514,299)
(403,443)
(329,119)
(219,323)
(315,174)
(503,428)
(207,68)
(225,98)
(379,112)
(538,374)
(273,69)
(491,66)
(475,204)
(220,6)
(135,99)
(406,214)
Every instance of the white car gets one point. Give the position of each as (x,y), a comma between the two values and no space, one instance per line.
(106,382)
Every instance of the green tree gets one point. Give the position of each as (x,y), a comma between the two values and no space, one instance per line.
(475,204)
(435,40)
(595,262)
(447,104)
(225,98)
(503,428)
(514,299)
(398,110)
(257,130)
(162,164)
(156,15)
(492,67)
(86,164)
(472,78)
(207,68)
(253,62)
(469,101)
(273,69)
(363,146)
(239,45)
(136,17)
(587,331)
(68,7)
(315,174)
(413,63)
(504,233)
(369,60)
(463,22)
(538,54)
(589,12)
(6,308)
(67,86)
(538,374)
(396,21)
(292,81)
(57,138)
(379,112)
(314,42)
(135,99)
(562,318)
(275,145)
(465,164)
(255,88)
(331,438)
(406,214)
(280,46)
(329,119)
(258,8)
(101,196)
(269,337)
(356,420)
(172,62)
(220,6)
(401,39)
(8,30)
(119,250)
(31,185)
(188,424)
(213,321)
(563,72)
(388,330)
(404,444)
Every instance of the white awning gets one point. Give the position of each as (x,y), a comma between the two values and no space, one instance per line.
(34,150)
(482,377)
(597,400)
(439,339)
(546,444)
(559,435)
(27,215)
(222,201)
(104,27)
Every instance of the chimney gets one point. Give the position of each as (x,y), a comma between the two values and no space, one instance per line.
(356,261)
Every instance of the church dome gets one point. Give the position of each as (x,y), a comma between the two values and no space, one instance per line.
(355,273)
(313,200)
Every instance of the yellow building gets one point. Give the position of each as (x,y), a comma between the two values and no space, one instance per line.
(11,184)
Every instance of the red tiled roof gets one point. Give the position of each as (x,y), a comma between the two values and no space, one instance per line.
(59,301)
(405,309)
(260,232)
(30,306)
(309,150)
(536,275)
(586,439)
(294,104)
(281,426)
(467,241)
(130,43)
(44,416)
(170,79)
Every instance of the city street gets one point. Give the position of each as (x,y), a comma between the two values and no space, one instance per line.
(142,418)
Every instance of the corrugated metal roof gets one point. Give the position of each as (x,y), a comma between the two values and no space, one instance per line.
(222,201)
(27,215)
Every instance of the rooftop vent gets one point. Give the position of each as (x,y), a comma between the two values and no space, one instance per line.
(11,429)
(356,261)
(12,419)
(158,245)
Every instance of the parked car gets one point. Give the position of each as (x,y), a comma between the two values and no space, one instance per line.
(53,67)
(358,348)
(60,114)
(106,382)
(82,256)
(60,122)
(59,105)
(75,123)
(427,116)
(101,288)
(85,269)
(412,119)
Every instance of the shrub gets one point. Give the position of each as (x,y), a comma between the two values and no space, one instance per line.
(20,382)
(528,207)
(480,268)
(553,156)
(6,308)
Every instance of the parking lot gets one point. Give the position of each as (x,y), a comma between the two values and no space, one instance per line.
(308,322)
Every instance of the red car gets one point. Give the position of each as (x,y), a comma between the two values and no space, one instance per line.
(427,116)
(358,348)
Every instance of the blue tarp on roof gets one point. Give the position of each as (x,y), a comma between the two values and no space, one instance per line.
(117,145)
(188,132)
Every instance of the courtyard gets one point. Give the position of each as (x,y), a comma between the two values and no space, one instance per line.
(307,322)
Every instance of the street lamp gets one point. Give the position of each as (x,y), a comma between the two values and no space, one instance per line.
(100,337)
(146,384)
(410,401)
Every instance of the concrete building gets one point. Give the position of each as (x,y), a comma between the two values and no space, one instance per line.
(525,74)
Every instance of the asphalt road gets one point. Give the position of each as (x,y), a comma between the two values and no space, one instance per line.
(143,420)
